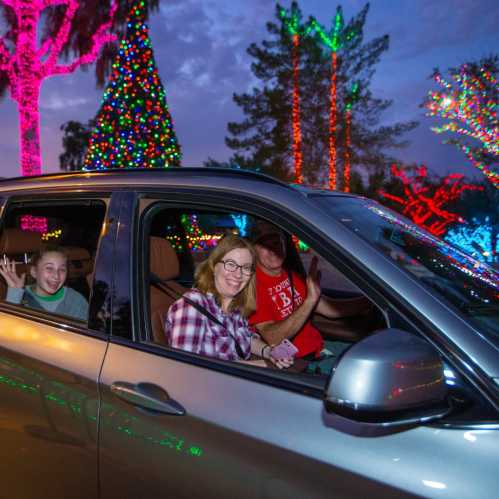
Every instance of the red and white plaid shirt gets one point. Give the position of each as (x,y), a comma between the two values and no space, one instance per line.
(188,329)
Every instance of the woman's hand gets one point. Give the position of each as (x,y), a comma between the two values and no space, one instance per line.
(279,363)
(282,363)
(8,272)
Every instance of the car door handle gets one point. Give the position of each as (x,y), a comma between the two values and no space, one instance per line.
(148,396)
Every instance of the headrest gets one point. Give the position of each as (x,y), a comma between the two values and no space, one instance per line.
(17,241)
(76,253)
(163,259)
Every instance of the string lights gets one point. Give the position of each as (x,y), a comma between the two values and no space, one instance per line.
(30,223)
(335,40)
(468,105)
(30,64)
(292,22)
(134,126)
(479,239)
(424,207)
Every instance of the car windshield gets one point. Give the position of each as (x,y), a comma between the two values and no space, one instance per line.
(471,286)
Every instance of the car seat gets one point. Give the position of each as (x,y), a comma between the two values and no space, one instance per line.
(164,290)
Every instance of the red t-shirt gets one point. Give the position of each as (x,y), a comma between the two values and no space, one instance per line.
(274,303)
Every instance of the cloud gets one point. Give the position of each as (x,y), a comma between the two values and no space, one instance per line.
(57,102)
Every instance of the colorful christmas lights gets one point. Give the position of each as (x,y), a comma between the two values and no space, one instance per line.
(196,239)
(469,107)
(29,65)
(426,208)
(134,126)
(292,22)
(334,41)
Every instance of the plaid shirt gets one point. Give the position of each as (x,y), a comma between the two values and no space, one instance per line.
(188,329)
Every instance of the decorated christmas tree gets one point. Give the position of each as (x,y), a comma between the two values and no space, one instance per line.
(134,126)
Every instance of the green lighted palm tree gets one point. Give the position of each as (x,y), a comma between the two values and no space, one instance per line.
(291,20)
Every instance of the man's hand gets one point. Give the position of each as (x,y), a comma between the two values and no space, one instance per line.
(8,272)
(313,282)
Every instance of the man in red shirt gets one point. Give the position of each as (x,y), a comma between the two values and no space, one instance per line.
(285,301)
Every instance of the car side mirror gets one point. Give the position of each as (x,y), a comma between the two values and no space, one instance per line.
(390,378)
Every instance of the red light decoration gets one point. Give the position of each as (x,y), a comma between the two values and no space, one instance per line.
(334,41)
(425,208)
(468,104)
(292,22)
(30,223)
(29,65)
(134,126)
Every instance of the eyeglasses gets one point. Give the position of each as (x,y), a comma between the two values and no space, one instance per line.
(232,266)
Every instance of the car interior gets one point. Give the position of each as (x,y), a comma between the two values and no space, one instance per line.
(179,239)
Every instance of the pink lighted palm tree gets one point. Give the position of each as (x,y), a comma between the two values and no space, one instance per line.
(29,64)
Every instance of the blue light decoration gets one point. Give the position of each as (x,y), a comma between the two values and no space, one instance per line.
(241,222)
(478,239)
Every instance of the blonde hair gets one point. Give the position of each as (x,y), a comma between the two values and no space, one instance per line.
(204,277)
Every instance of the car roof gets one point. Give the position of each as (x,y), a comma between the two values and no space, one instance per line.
(208,176)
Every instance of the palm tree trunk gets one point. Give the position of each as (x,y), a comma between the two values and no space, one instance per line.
(297,153)
(332,124)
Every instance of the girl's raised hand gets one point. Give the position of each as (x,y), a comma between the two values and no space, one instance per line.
(8,272)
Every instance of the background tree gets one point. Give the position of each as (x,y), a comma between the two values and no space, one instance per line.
(75,144)
(77,28)
(467,104)
(134,126)
(337,39)
(29,64)
(298,30)
(263,138)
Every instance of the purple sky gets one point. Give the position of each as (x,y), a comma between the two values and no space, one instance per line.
(200,48)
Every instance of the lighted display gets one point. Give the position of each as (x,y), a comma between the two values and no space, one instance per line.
(30,223)
(334,41)
(134,126)
(468,106)
(479,239)
(30,64)
(292,22)
(424,207)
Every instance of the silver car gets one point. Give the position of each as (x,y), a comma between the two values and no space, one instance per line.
(105,408)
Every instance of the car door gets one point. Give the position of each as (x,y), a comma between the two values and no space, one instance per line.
(176,424)
(49,367)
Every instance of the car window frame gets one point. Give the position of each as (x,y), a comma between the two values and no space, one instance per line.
(49,197)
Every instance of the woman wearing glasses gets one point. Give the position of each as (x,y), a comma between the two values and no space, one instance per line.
(211,318)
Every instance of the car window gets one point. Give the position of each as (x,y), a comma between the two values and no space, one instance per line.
(47,252)
(180,239)
(471,286)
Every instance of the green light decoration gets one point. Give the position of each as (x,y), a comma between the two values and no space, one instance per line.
(291,20)
(334,40)
(134,126)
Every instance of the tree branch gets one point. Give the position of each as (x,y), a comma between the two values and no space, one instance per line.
(62,36)
(99,38)
(6,57)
